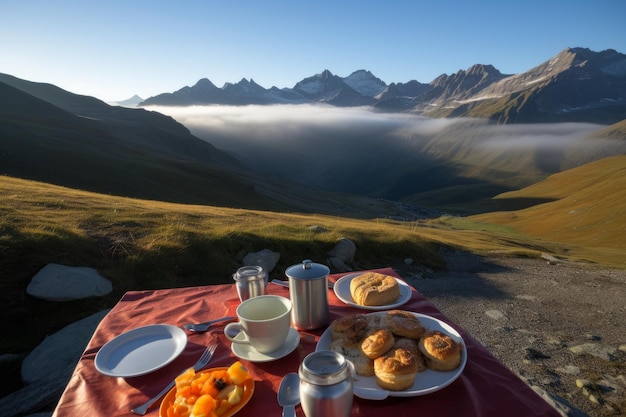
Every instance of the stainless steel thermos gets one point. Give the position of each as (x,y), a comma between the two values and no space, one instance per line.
(325,384)
(308,290)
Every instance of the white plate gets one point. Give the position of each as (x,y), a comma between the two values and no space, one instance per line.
(247,352)
(141,350)
(426,382)
(342,291)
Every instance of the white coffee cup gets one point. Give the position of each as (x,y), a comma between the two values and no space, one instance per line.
(264,323)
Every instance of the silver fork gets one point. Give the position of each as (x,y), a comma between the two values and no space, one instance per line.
(202,362)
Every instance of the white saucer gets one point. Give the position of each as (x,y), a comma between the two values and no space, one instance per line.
(249,353)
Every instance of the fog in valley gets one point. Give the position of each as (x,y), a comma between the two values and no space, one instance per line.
(389,155)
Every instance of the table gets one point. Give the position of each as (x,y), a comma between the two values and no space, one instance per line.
(485,388)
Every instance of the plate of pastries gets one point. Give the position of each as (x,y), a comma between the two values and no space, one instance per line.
(397,353)
(372,291)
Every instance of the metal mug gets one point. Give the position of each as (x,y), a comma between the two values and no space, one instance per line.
(250,281)
(308,290)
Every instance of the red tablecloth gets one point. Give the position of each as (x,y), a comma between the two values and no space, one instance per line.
(485,388)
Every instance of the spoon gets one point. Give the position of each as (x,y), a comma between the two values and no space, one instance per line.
(289,394)
(203,327)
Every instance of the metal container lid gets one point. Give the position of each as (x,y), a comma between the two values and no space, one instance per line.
(324,367)
(307,270)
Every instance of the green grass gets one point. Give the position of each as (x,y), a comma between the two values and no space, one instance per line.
(584,208)
(141,244)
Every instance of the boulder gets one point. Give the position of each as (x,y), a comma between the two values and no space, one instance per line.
(341,257)
(344,250)
(60,351)
(264,258)
(338,265)
(56,282)
(48,368)
(317,229)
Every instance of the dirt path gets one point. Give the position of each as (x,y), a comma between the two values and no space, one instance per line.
(558,325)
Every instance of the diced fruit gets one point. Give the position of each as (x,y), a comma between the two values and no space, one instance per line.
(208,394)
(238,373)
(231,393)
(204,406)
(235,396)
(209,388)
(223,407)
(185,378)
(220,384)
(226,392)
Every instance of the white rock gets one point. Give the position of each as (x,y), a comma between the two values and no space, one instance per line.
(264,258)
(608,353)
(338,265)
(60,352)
(318,229)
(344,250)
(495,314)
(56,282)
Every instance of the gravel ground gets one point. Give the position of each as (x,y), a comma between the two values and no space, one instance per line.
(558,325)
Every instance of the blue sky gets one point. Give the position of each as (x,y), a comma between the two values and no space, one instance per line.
(112,49)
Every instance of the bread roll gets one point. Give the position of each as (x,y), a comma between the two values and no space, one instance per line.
(441,352)
(377,343)
(403,323)
(374,289)
(351,349)
(412,346)
(396,370)
(350,327)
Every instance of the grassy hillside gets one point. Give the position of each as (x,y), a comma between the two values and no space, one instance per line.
(142,244)
(584,207)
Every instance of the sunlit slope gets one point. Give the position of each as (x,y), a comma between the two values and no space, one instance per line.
(585,208)
(147,244)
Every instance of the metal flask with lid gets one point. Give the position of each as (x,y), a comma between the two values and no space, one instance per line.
(308,290)
(325,385)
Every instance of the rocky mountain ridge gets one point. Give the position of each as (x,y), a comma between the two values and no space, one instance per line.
(575,85)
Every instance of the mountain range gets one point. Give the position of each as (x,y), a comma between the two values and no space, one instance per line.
(52,135)
(575,85)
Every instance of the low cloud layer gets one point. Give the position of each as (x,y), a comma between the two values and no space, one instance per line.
(288,123)
(356,149)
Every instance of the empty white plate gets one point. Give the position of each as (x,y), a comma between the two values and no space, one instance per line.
(141,350)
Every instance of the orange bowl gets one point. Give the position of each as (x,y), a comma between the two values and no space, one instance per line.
(248,390)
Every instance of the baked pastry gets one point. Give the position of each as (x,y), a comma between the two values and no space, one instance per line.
(377,343)
(374,323)
(412,346)
(441,352)
(403,323)
(351,327)
(396,370)
(351,350)
(374,289)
